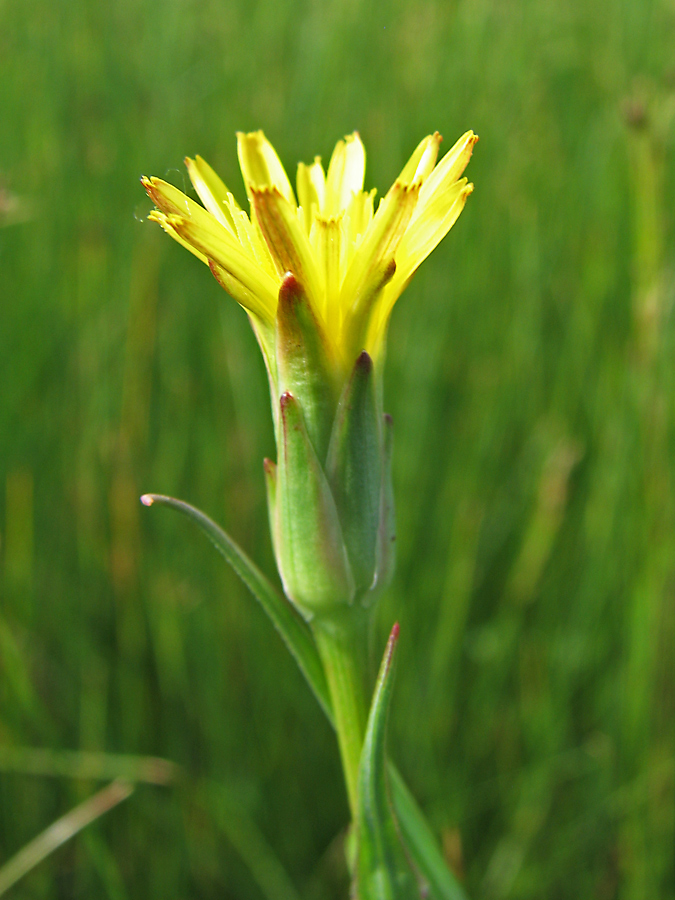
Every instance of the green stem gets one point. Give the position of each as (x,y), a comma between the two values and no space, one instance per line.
(340,647)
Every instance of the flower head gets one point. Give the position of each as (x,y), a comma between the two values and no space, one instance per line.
(318,275)
(351,258)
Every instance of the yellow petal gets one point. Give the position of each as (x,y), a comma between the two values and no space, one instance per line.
(373,264)
(430,227)
(448,170)
(161,219)
(328,241)
(253,242)
(212,191)
(311,184)
(287,241)
(241,293)
(423,160)
(169,199)
(217,244)
(346,171)
(418,242)
(380,241)
(261,165)
(359,216)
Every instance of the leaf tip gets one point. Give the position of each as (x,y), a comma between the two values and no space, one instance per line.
(391,647)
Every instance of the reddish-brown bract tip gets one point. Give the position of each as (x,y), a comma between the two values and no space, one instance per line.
(364,363)
(289,289)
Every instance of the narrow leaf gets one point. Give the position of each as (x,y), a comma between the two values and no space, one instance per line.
(382,871)
(421,843)
(288,622)
(419,839)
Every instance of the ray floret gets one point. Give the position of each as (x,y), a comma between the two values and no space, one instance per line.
(353,257)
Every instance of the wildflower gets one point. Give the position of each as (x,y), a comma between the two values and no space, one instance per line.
(352,260)
(318,274)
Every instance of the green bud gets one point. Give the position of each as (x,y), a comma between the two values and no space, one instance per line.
(330,499)
(310,548)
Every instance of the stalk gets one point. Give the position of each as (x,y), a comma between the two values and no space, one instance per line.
(340,644)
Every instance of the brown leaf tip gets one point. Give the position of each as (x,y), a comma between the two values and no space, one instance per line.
(290,289)
(364,363)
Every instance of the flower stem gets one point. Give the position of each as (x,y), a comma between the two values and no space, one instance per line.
(340,646)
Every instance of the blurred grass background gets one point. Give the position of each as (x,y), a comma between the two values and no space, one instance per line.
(530,376)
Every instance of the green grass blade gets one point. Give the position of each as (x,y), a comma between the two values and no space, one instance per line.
(246,837)
(421,843)
(290,625)
(61,831)
(86,765)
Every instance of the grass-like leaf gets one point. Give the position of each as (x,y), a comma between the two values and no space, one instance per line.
(290,625)
(421,843)
(61,831)
(87,765)
(417,835)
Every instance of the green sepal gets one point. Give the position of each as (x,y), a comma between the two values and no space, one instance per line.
(382,868)
(354,469)
(305,362)
(386,535)
(311,553)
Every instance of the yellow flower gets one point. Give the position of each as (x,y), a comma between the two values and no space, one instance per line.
(351,260)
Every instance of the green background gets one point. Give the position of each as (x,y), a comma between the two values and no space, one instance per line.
(530,377)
